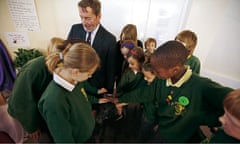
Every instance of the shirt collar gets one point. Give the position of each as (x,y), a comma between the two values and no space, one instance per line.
(182,80)
(135,72)
(93,33)
(62,82)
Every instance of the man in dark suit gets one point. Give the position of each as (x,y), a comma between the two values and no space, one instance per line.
(100,39)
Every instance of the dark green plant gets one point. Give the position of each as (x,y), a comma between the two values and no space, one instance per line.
(24,55)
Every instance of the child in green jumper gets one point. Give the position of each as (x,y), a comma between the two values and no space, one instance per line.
(148,121)
(230,130)
(184,99)
(131,79)
(65,105)
(30,83)
(189,40)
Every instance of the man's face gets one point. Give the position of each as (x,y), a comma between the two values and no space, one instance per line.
(89,19)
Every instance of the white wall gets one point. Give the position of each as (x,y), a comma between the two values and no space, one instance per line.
(216,23)
(154,18)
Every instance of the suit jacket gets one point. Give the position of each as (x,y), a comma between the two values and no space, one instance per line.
(105,45)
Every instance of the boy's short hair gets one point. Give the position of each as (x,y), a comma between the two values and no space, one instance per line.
(189,39)
(169,55)
(146,66)
(232,103)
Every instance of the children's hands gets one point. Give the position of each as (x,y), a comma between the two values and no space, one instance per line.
(113,99)
(155,128)
(103,100)
(119,107)
(102,90)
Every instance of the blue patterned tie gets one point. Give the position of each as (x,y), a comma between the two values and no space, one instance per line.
(89,38)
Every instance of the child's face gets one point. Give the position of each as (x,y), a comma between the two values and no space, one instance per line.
(230,124)
(148,76)
(163,73)
(124,51)
(82,76)
(133,64)
(151,47)
(160,71)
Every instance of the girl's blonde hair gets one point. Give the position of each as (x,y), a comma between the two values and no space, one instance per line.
(232,103)
(79,55)
(58,44)
(55,45)
(129,32)
(189,38)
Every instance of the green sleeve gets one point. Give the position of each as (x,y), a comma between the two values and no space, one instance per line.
(89,88)
(196,67)
(92,99)
(141,95)
(22,103)
(194,64)
(123,82)
(214,94)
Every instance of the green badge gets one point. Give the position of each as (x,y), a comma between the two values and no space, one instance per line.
(183,100)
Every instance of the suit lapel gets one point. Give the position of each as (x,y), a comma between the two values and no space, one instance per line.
(82,33)
(98,38)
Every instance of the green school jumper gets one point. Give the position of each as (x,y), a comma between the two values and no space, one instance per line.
(31,82)
(194,64)
(90,89)
(180,111)
(67,113)
(130,81)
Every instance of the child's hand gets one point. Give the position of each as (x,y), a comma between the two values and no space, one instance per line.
(103,100)
(155,128)
(119,107)
(102,90)
(113,100)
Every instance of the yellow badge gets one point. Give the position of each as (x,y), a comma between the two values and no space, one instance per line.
(179,108)
(84,93)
